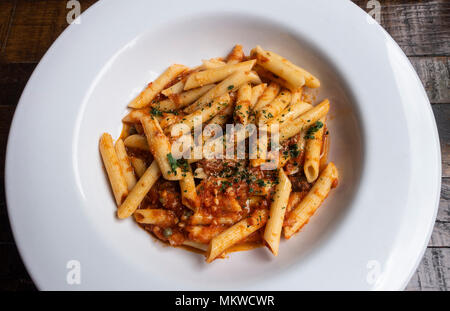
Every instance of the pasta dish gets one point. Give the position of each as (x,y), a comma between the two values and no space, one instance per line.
(226,156)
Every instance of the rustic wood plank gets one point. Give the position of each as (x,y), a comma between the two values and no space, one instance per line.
(13,78)
(444,205)
(441,235)
(442,115)
(35,26)
(6,114)
(419,27)
(433,272)
(434,72)
(6,12)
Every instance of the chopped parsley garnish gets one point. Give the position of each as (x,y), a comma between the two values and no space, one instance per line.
(230,87)
(173,163)
(156,112)
(317,126)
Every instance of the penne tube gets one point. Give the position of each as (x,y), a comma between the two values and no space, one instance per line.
(204,114)
(304,121)
(146,96)
(272,232)
(308,206)
(200,173)
(160,147)
(174,89)
(189,196)
(279,66)
(273,109)
(203,234)
(267,97)
(212,63)
(235,234)
(113,168)
(196,245)
(168,119)
(138,165)
(135,115)
(233,82)
(136,141)
(178,101)
(257,91)
(158,217)
(313,148)
(201,78)
(242,107)
(290,113)
(222,117)
(267,75)
(125,164)
(236,55)
(137,194)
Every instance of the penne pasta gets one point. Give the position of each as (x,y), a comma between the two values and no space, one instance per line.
(125,164)
(201,78)
(313,148)
(242,107)
(279,66)
(272,232)
(174,89)
(160,147)
(158,217)
(199,246)
(267,75)
(308,206)
(138,165)
(113,168)
(257,91)
(136,141)
(235,234)
(139,191)
(267,97)
(304,121)
(250,143)
(236,55)
(204,114)
(233,82)
(290,113)
(178,101)
(146,96)
(222,117)
(273,109)
(213,63)
(189,196)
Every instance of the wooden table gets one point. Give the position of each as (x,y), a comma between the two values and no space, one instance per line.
(421,28)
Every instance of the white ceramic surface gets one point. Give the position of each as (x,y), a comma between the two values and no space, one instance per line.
(371,232)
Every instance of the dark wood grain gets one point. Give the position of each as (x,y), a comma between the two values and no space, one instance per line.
(6,11)
(13,78)
(6,114)
(442,115)
(434,72)
(421,28)
(35,26)
(433,272)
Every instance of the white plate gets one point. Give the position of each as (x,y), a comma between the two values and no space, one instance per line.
(370,233)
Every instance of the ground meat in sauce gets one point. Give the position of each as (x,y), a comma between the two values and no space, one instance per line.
(299,182)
